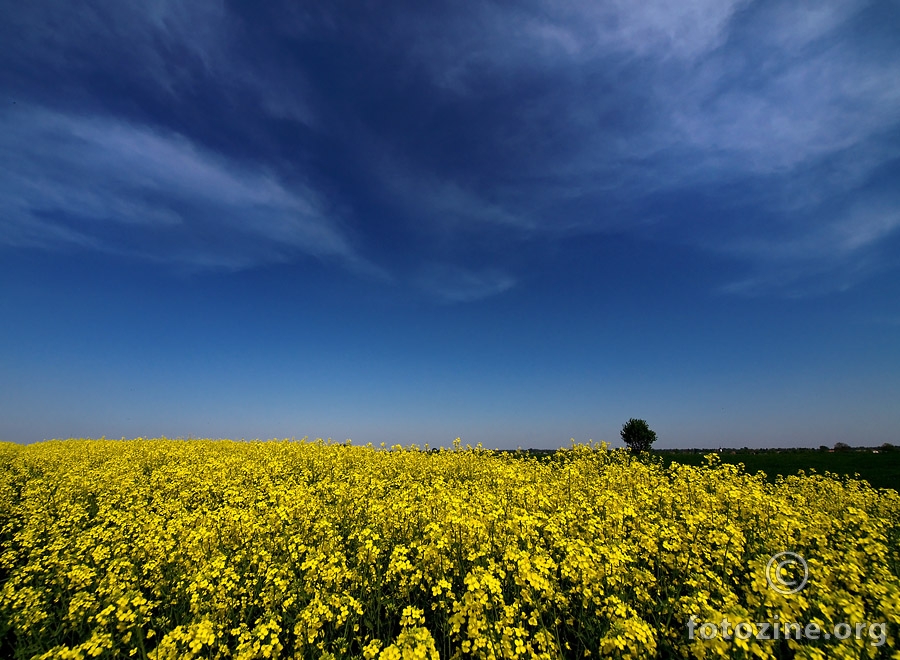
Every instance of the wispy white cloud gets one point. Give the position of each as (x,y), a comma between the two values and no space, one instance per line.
(456,284)
(444,205)
(791,26)
(544,35)
(73,180)
(576,117)
(167,47)
(659,29)
(842,251)
(811,109)
(145,35)
(781,102)
(842,235)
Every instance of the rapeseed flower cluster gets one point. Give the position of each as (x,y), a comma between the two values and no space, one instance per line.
(170,549)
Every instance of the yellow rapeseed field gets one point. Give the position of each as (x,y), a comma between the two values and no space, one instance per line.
(293,549)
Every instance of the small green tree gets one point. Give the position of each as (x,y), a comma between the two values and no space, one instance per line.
(637,435)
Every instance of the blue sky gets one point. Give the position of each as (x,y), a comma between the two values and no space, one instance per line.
(517,223)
